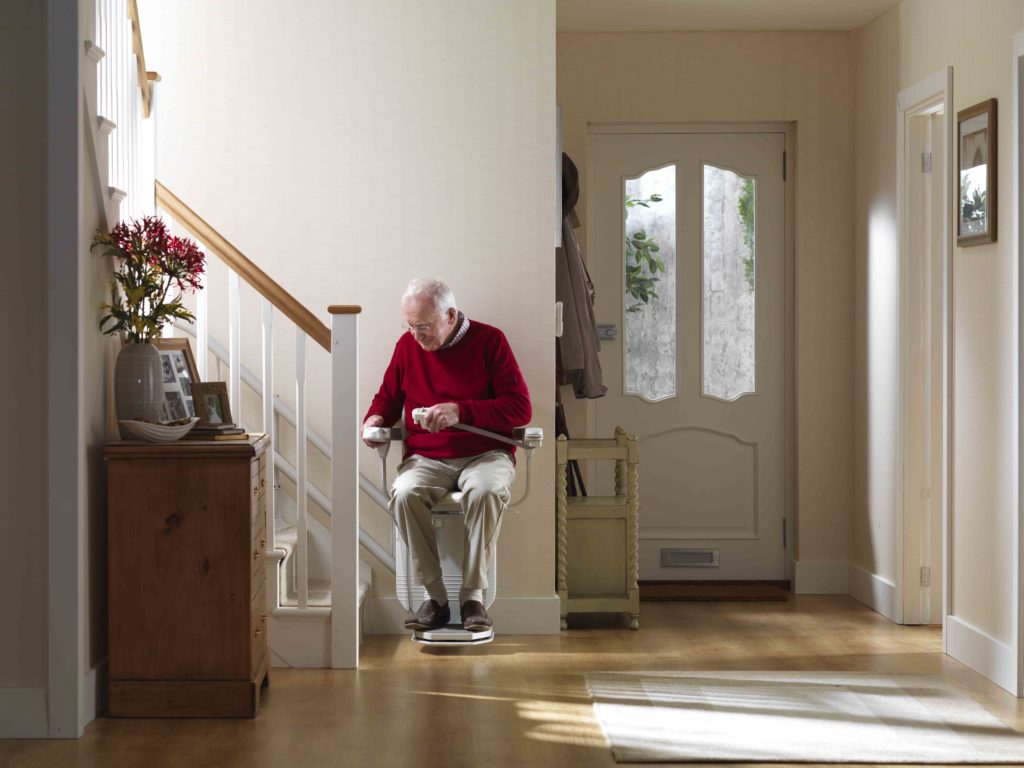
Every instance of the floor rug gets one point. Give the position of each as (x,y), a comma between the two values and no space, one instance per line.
(819,717)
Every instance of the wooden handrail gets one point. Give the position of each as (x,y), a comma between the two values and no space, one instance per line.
(144,77)
(263,284)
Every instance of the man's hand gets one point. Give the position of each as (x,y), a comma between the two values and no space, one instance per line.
(372,421)
(441,416)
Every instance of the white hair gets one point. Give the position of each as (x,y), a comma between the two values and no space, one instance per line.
(435,290)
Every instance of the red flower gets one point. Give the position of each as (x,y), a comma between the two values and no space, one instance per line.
(150,262)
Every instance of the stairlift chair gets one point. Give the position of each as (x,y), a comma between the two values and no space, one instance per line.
(448,519)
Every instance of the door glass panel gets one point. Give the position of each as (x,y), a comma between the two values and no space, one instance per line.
(729,284)
(650,279)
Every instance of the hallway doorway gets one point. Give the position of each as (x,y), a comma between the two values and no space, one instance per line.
(689,230)
(923,155)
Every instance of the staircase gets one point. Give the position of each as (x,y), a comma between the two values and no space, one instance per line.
(319,584)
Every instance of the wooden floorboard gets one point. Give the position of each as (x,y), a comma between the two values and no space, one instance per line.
(519,701)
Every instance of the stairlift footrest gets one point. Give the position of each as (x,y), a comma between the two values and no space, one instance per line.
(453,634)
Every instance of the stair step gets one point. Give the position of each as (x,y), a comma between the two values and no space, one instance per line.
(318,594)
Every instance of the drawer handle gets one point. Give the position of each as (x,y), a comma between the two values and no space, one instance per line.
(258,631)
(263,483)
(257,552)
(256,491)
(263,617)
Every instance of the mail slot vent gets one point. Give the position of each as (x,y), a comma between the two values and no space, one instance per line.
(689,558)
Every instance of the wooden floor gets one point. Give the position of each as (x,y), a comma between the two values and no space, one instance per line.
(519,701)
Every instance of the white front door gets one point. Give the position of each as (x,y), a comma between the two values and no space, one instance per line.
(688,232)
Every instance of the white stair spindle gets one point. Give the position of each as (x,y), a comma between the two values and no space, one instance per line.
(234,346)
(203,322)
(302,540)
(122,123)
(133,185)
(115,92)
(344,488)
(268,412)
(126,99)
(108,79)
(132,190)
(101,41)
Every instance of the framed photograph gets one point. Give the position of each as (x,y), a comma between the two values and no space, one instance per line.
(179,373)
(211,403)
(977,198)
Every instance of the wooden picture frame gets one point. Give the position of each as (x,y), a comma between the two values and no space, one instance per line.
(179,373)
(212,406)
(977,181)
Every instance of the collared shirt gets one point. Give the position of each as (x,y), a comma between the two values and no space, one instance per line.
(459,333)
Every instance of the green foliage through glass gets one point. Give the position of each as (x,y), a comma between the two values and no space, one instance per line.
(642,260)
(745,204)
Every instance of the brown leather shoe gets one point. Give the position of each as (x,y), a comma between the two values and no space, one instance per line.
(430,615)
(474,616)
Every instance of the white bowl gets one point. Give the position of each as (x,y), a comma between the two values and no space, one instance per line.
(157,433)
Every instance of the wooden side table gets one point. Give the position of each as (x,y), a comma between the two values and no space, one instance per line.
(186,534)
(598,542)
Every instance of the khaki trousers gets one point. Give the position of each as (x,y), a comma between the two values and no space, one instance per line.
(485,481)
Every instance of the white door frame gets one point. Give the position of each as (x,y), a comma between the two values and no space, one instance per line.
(935,91)
(1018,208)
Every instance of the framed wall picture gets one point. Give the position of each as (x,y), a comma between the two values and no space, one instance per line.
(179,374)
(978,194)
(212,407)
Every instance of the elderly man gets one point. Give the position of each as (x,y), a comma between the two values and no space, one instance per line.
(461,371)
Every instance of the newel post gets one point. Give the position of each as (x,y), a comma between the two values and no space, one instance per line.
(344,486)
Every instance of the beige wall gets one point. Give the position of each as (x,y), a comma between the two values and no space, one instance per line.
(976,40)
(23,313)
(757,77)
(349,147)
(876,314)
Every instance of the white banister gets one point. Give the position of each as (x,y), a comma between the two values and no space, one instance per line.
(301,460)
(268,413)
(234,345)
(344,487)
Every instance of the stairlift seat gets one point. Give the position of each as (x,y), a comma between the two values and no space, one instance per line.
(450,539)
(450,504)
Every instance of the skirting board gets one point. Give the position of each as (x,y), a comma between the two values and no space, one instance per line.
(302,642)
(512,616)
(826,578)
(23,713)
(876,593)
(982,653)
(92,695)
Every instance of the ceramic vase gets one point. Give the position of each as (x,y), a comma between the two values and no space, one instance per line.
(138,384)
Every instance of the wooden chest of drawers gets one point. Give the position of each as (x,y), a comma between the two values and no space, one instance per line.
(187,578)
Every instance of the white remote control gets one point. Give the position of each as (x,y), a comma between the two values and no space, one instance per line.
(419,415)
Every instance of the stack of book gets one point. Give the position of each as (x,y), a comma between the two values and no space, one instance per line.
(217,432)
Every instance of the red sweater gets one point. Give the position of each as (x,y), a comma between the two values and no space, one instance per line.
(479,374)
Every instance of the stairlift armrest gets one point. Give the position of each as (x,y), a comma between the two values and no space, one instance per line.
(528,437)
(383,434)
